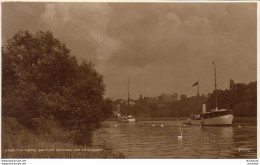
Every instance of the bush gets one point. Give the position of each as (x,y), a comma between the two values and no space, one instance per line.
(42,79)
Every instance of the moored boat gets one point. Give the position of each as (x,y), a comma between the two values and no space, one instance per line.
(215,117)
(128,119)
(195,120)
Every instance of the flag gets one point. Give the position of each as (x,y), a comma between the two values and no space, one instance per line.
(196,83)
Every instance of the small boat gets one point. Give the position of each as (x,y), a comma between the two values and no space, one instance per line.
(128,119)
(195,120)
(186,123)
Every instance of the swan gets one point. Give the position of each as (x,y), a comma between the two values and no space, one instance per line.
(239,126)
(153,124)
(180,137)
(162,125)
(115,125)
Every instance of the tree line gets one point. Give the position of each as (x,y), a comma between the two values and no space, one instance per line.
(241,98)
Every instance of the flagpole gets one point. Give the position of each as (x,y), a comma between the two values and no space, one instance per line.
(198,92)
(196,84)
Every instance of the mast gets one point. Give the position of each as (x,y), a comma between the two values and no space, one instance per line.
(198,91)
(128,99)
(215,72)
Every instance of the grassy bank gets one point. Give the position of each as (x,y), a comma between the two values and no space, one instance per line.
(47,140)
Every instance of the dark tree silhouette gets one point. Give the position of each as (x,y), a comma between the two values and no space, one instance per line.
(41,78)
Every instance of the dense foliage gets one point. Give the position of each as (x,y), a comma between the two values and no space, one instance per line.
(242,98)
(42,79)
(181,108)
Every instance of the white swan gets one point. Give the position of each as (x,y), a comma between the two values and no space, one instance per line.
(162,125)
(115,125)
(180,137)
(239,126)
(153,124)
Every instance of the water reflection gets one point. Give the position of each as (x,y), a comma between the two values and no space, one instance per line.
(142,140)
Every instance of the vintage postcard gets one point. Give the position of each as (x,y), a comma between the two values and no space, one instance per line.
(135,80)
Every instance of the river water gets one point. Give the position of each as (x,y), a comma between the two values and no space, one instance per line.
(142,140)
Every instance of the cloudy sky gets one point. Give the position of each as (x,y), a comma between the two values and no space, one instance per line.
(161,47)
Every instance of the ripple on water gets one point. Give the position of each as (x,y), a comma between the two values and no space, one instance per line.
(145,141)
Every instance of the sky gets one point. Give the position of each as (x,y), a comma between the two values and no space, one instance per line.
(161,47)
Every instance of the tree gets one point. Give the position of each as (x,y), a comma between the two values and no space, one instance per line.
(34,65)
(242,98)
(183,97)
(42,78)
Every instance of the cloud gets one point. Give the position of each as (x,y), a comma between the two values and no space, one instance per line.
(83,23)
(171,34)
(106,45)
(49,13)
(160,46)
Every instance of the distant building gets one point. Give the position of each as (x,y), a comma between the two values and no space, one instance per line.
(154,100)
(164,98)
(125,102)
(168,97)
(120,101)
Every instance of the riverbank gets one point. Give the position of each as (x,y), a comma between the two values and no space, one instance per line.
(152,118)
(236,119)
(48,142)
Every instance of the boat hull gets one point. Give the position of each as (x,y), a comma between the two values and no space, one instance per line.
(220,120)
(195,122)
(128,121)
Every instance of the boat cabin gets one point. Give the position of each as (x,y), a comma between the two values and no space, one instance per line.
(216,113)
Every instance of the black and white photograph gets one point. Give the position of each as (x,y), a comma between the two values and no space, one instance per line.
(129,80)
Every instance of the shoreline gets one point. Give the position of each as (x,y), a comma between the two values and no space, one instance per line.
(20,142)
(174,118)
